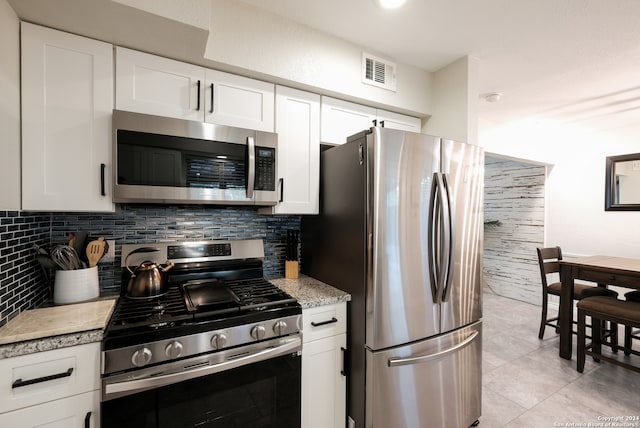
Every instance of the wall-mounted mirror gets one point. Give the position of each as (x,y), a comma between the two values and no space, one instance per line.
(622,192)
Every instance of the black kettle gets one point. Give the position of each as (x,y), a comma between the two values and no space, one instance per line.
(149,279)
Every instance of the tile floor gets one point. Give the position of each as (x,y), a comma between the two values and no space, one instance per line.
(526,384)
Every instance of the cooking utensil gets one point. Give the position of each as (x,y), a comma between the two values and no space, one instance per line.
(79,244)
(149,278)
(65,257)
(95,251)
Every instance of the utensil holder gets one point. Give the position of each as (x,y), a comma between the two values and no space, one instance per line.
(74,286)
(291,269)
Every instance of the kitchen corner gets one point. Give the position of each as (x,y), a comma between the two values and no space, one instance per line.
(54,327)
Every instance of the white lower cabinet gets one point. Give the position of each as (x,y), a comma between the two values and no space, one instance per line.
(58,388)
(323,378)
(81,410)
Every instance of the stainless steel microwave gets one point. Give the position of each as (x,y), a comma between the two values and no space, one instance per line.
(164,160)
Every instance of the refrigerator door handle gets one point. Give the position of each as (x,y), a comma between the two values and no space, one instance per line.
(395,362)
(432,247)
(449,241)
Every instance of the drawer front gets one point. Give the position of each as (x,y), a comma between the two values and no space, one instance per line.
(74,412)
(32,379)
(609,278)
(324,321)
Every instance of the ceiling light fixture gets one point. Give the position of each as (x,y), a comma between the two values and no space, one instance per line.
(390,4)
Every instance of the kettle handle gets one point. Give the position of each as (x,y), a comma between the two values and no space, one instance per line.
(139,250)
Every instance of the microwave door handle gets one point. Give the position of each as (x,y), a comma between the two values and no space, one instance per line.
(251,176)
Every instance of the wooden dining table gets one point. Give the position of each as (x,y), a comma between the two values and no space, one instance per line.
(603,270)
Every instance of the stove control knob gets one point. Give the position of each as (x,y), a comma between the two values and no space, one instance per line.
(218,340)
(173,349)
(141,357)
(280,328)
(258,332)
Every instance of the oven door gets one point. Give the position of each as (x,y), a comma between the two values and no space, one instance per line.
(245,389)
(160,159)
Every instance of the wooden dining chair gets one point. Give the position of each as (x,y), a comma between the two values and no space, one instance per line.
(630,333)
(549,261)
(602,309)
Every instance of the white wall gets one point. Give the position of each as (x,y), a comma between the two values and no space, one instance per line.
(254,41)
(575,215)
(455,101)
(9,108)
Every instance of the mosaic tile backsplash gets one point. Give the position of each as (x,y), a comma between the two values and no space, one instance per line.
(22,281)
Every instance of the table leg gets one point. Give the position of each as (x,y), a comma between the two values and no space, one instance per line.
(565,311)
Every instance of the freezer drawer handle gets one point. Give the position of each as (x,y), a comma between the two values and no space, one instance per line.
(19,382)
(394,362)
(318,324)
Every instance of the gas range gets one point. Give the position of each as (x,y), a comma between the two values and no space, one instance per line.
(217,301)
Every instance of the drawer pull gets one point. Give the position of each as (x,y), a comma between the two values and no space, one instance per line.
(19,382)
(318,324)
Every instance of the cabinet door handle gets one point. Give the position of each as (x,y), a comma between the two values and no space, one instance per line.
(198,98)
(281,189)
(211,109)
(87,420)
(343,372)
(375,122)
(382,123)
(19,382)
(318,324)
(102,188)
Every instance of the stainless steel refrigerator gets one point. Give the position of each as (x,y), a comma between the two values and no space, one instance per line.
(400,228)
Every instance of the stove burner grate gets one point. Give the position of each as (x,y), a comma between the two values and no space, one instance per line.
(154,313)
(258,293)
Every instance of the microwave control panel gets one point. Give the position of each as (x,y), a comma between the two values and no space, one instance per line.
(265,169)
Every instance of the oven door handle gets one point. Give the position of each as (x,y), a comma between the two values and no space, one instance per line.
(131,386)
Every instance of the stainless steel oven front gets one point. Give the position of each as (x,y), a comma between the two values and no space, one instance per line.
(165,160)
(255,385)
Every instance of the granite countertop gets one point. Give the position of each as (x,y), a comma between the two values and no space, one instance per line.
(310,292)
(55,327)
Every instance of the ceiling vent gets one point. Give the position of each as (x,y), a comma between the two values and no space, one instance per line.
(378,72)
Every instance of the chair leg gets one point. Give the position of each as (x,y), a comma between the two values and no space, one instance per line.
(613,336)
(581,341)
(596,337)
(627,340)
(543,321)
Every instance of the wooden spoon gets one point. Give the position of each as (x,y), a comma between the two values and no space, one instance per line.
(95,251)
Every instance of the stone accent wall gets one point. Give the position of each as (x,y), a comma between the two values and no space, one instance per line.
(514,227)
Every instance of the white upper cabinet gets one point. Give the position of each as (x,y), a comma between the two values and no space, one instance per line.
(164,87)
(67,103)
(239,101)
(298,128)
(393,120)
(341,119)
(154,85)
